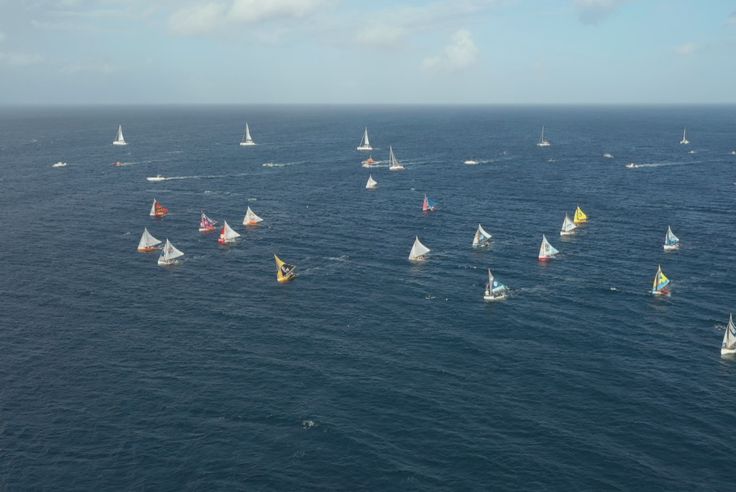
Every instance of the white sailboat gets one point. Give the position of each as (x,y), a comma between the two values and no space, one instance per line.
(543,142)
(568,226)
(418,251)
(471,162)
(393,162)
(481,237)
(227,234)
(251,218)
(495,290)
(671,242)
(365,144)
(684,140)
(156,178)
(729,338)
(169,255)
(247,140)
(148,243)
(546,250)
(371,183)
(119,139)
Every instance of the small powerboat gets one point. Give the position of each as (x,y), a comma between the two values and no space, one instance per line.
(156,178)
(471,162)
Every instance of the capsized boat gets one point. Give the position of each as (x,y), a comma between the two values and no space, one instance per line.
(370,162)
(158,210)
(418,251)
(156,178)
(251,218)
(568,226)
(148,243)
(671,242)
(543,142)
(728,347)
(169,255)
(684,140)
(365,144)
(206,224)
(580,216)
(481,237)
(393,162)
(660,286)
(371,183)
(284,271)
(495,290)
(247,140)
(59,164)
(119,139)
(428,205)
(227,234)
(546,250)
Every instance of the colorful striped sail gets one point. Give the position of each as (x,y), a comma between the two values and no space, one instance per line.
(660,283)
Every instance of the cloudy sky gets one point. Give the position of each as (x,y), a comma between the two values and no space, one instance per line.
(379,51)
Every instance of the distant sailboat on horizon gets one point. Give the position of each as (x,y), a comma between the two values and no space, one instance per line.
(247,140)
(393,162)
(365,144)
(684,140)
(119,139)
(543,142)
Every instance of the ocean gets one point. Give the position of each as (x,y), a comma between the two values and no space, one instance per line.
(367,372)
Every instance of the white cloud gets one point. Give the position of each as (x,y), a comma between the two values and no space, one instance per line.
(197,19)
(460,53)
(594,11)
(248,11)
(381,35)
(19,59)
(686,49)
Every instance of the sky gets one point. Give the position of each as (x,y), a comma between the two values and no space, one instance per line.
(377,52)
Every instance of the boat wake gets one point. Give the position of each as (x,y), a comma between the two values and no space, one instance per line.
(280,164)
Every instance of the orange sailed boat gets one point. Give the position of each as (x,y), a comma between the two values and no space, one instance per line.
(158,210)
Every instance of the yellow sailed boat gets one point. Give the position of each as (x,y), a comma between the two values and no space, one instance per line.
(284,271)
(580,216)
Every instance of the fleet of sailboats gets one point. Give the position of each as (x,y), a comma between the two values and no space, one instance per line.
(206,224)
(393,162)
(728,347)
(284,271)
(546,250)
(660,285)
(158,210)
(684,140)
(169,255)
(227,235)
(671,242)
(568,226)
(371,183)
(365,144)
(247,140)
(481,237)
(418,251)
(495,290)
(119,139)
(148,243)
(251,218)
(543,142)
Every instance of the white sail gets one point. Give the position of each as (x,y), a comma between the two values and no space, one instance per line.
(546,250)
(371,183)
(568,226)
(152,213)
(365,143)
(169,254)
(418,250)
(251,218)
(543,142)
(671,242)
(393,162)
(147,240)
(495,290)
(729,338)
(247,140)
(684,140)
(481,237)
(119,139)
(228,234)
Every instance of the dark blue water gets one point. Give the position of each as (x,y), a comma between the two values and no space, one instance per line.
(367,372)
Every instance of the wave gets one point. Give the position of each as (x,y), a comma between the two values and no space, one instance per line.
(280,164)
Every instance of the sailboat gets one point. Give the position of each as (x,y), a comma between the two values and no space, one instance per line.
(206,224)
(119,139)
(418,251)
(284,271)
(393,162)
(370,162)
(495,290)
(227,234)
(158,210)
(481,238)
(580,216)
(568,226)
(684,140)
(671,242)
(729,338)
(247,140)
(251,218)
(546,250)
(365,144)
(660,286)
(371,183)
(169,255)
(148,243)
(543,142)
(428,205)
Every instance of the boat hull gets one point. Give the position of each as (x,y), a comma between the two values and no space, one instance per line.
(495,297)
(725,351)
(364,148)
(567,233)
(247,144)
(149,249)
(207,229)
(545,259)
(671,247)
(663,292)
(167,262)
(544,144)
(251,223)
(119,143)
(396,168)
(158,216)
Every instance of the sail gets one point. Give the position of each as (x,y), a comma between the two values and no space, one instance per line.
(418,250)
(371,183)
(227,234)
(729,338)
(247,140)
(425,204)
(284,271)
(158,210)
(481,237)
(684,137)
(660,280)
(580,216)
(670,239)
(546,250)
(206,223)
(365,143)
(119,139)
(567,225)
(169,254)
(152,213)
(494,287)
(393,162)
(147,241)
(541,135)
(251,218)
